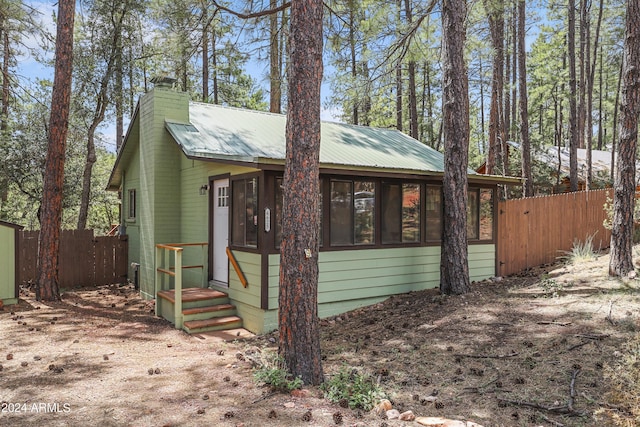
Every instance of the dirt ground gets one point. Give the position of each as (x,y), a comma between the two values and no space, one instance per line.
(528,350)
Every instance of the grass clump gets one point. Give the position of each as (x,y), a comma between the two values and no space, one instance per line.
(581,251)
(623,380)
(350,388)
(272,371)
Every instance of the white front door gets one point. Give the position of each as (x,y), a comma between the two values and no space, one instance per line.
(220,230)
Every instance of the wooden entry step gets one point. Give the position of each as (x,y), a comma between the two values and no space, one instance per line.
(203,310)
(215,324)
(208,309)
(192,295)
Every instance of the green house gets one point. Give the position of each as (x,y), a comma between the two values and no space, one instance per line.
(9,262)
(207,179)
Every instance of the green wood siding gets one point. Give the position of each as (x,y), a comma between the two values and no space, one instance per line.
(131,181)
(482,261)
(169,206)
(365,274)
(250,265)
(357,278)
(194,211)
(7,265)
(159,211)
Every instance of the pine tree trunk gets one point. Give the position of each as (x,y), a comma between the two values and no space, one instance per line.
(298,298)
(504,147)
(621,262)
(51,216)
(573,113)
(514,71)
(454,266)
(85,194)
(413,100)
(588,116)
(582,81)
(6,54)
(101,104)
(399,96)
(495,14)
(524,108)
(616,105)
(214,63)
(353,60)
(118,89)
(275,90)
(205,53)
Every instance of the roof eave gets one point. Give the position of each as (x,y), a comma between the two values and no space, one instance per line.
(115,178)
(495,179)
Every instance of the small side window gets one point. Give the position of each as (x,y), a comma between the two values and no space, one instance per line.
(132,204)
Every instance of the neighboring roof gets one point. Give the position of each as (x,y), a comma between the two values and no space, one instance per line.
(225,133)
(600,160)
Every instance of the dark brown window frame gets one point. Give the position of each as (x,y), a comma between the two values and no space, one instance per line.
(266,199)
(259,211)
(132,201)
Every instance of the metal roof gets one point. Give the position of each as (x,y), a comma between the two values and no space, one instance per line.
(225,133)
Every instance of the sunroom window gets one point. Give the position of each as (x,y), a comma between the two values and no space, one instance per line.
(434,212)
(352,213)
(472,214)
(245,212)
(480,214)
(486,214)
(400,213)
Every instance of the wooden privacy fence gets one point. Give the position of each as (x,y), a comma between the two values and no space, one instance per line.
(84,261)
(537,230)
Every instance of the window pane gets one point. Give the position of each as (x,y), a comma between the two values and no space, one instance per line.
(252,212)
(410,212)
(364,203)
(391,211)
(486,214)
(472,214)
(132,204)
(434,213)
(223,197)
(278,212)
(341,216)
(239,215)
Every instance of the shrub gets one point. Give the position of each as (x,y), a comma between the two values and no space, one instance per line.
(272,372)
(551,287)
(355,389)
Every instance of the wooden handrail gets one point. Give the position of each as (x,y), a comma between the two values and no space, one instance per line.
(236,267)
(168,247)
(175,272)
(185,244)
(165,271)
(188,266)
